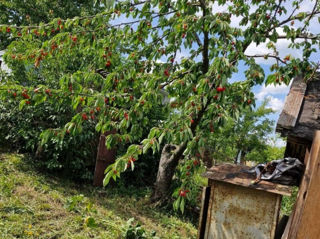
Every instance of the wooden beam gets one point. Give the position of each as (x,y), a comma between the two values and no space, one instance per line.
(289,115)
(306,221)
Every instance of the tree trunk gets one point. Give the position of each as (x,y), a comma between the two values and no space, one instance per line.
(170,156)
(242,159)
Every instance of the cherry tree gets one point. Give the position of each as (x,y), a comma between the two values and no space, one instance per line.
(116,67)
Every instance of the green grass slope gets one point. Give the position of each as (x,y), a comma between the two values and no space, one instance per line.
(36,205)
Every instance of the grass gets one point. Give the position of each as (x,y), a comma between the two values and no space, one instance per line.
(36,205)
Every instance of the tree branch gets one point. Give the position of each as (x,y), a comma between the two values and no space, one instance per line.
(268,55)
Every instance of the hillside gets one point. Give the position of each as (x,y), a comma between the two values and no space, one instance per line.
(36,205)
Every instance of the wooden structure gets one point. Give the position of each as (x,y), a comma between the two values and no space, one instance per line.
(105,157)
(299,121)
(304,222)
(300,116)
(233,207)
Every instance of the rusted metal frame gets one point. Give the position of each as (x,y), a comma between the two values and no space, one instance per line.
(204,212)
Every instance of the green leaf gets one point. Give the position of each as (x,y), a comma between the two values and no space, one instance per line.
(182,204)
(22,103)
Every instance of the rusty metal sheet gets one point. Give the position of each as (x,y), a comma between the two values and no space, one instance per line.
(241,213)
(236,174)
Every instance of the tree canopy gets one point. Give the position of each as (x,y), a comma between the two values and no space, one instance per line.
(19,13)
(119,65)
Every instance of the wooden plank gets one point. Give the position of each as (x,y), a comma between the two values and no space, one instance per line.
(286,231)
(296,147)
(105,157)
(238,175)
(289,115)
(305,221)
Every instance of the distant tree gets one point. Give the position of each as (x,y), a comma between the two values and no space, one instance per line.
(249,132)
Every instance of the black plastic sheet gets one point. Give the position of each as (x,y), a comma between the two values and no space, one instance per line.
(287,171)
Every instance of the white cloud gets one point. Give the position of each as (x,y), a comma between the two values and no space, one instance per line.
(272,90)
(277,142)
(274,103)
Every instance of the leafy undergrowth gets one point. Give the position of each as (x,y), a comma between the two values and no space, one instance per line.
(35,205)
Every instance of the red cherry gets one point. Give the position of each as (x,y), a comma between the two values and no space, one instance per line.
(59,22)
(98,109)
(91,112)
(183,193)
(142,102)
(19,34)
(74,39)
(108,63)
(195,162)
(28,102)
(192,121)
(81,99)
(268,17)
(106,100)
(14,94)
(68,131)
(192,103)
(185,26)
(221,89)
(126,116)
(25,95)
(183,35)
(8,29)
(166,72)
(84,116)
(115,171)
(194,89)
(172,60)
(92,117)
(188,173)
(48,91)
(131,97)
(188,167)
(249,101)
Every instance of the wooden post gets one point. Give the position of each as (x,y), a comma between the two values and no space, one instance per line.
(105,157)
(305,219)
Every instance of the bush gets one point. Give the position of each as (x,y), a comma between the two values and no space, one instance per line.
(20,130)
